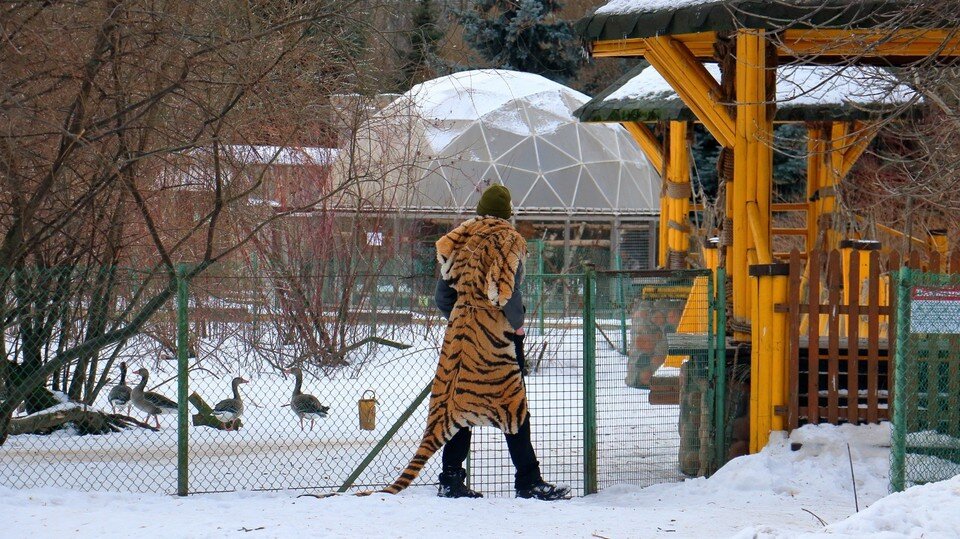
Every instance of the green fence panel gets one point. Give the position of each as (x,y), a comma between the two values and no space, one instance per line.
(926,406)
(595,343)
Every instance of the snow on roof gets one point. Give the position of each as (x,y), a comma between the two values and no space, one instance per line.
(651,84)
(639,6)
(469,95)
(796,85)
(493,94)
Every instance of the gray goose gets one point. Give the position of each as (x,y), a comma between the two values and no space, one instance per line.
(150,403)
(304,405)
(119,395)
(228,411)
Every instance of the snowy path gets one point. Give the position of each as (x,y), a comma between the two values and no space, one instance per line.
(763,495)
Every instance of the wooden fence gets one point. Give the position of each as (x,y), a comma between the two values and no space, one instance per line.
(840,335)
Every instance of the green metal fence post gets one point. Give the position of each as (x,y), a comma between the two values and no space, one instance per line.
(540,300)
(589,385)
(182,352)
(711,390)
(720,355)
(622,299)
(898,445)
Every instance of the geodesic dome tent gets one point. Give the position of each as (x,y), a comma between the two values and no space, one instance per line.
(436,147)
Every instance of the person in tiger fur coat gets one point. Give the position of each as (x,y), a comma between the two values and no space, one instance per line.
(455,294)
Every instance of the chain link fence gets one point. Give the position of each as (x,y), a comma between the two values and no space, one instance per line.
(600,348)
(926,405)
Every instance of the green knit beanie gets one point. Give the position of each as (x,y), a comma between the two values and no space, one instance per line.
(495,201)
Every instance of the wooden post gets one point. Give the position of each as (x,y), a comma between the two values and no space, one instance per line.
(678,192)
(769,367)
(753,158)
(839,140)
(815,155)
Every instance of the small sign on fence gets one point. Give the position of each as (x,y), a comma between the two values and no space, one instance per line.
(935,309)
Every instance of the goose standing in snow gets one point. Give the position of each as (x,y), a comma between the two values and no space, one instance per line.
(150,403)
(228,411)
(304,405)
(119,395)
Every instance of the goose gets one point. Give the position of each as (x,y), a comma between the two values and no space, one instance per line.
(119,395)
(304,405)
(228,411)
(150,403)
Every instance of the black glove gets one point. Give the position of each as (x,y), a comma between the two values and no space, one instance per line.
(518,347)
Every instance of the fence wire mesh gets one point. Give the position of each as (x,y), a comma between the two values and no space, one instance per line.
(926,430)
(363,341)
(655,400)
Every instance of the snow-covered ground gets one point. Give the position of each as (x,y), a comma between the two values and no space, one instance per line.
(776,493)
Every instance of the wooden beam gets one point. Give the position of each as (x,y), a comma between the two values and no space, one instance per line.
(789,206)
(854,145)
(648,142)
(870,43)
(825,44)
(695,86)
(760,238)
(699,44)
(789,231)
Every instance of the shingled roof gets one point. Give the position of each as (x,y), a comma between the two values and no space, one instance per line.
(619,19)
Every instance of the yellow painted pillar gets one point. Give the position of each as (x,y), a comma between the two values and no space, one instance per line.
(940,244)
(663,232)
(678,192)
(768,373)
(754,296)
(711,257)
(815,156)
(753,158)
(839,133)
(779,352)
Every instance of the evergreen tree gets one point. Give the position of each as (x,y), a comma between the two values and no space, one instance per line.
(789,165)
(422,61)
(524,35)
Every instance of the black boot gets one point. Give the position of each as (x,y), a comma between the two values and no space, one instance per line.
(452,484)
(541,490)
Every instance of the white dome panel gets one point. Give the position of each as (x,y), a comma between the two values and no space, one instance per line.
(478,127)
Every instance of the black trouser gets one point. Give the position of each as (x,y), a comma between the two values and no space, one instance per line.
(521,449)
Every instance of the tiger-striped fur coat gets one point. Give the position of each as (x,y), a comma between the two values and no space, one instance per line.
(478,381)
